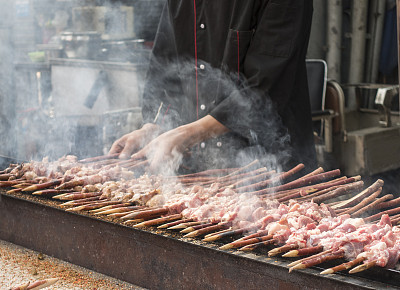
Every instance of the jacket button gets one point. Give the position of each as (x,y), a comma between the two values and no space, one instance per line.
(203,107)
(202,26)
(219,144)
(203,145)
(202,66)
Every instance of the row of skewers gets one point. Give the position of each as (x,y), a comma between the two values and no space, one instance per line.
(289,213)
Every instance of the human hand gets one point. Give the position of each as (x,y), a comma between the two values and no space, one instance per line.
(165,152)
(134,141)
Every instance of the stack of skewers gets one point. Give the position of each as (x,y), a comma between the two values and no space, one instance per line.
(321,215)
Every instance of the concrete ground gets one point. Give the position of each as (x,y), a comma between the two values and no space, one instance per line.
(19,265)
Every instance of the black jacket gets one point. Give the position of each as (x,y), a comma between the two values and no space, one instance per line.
(242,62)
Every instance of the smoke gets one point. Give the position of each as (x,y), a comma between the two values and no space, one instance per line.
(6,81)
(256,131)
(43,113)
(49,114)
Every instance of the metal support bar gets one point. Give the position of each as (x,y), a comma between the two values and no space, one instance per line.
(328,131)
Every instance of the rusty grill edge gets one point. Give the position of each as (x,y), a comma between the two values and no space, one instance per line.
(156,261)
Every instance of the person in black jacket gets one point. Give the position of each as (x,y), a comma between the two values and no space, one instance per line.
(227,81)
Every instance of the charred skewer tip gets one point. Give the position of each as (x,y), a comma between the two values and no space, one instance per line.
(299,266)
(327,271)
(362,267)
(291,254)
(343,266)
(226,247)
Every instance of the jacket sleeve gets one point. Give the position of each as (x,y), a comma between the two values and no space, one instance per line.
(269,70)
(156,99)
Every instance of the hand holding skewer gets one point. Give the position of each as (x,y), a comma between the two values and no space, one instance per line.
(168,147)
(134,141)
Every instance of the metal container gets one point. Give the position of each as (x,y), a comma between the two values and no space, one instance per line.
(51,51)
(82,45)
(133,51)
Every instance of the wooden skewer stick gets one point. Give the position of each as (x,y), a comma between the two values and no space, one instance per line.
(342,190)
(195,228)
(310,257)
(206,230)
(50,191)
(80,201)
(200,179)
(76,196)
(318,260)
(92,205)
(254,246)
(362,267)
(306,190)
(303,252)
(223,234)
(44,185)
(273,180)
(241,169)
(103,163)
(107,207)
(99,158)
(120,210)
(185,225)
(359,197)
(229,182)
(11,191)
(239,244)
(379,215)
(138,165)
(22,185)
(70,184)
(8,183)
(112,206)
(5,176)
(218,232)
(283,249)
(125,213)
(146,213)
(208,172)
(158,221)
(317,188)
(343,266)
(254,179)
(363,203)
(372,205)
(310,196)
(303,181)
(255,235)
(395,219)
(315,172)
(171,224)
(134,221)
(389,204)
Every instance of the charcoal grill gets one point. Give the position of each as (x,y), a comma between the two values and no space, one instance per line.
(155,259)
